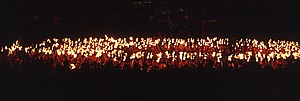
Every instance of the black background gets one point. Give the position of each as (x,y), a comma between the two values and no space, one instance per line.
(253,18)
(32,20)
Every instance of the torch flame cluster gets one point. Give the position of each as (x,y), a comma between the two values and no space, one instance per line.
(159,50)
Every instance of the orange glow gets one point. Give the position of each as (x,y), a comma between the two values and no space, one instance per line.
(119,49)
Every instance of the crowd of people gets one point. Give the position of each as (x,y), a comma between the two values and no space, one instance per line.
(148,54)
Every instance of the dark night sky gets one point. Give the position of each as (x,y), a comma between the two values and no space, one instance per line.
(253,16)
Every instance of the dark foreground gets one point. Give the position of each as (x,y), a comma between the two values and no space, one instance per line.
(220,85)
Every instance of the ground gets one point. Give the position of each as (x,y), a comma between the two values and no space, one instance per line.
(161,85)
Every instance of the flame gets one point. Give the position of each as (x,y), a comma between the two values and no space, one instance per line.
(174,48)
(72,66)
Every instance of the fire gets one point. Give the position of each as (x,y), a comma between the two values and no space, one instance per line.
(72,66)
(190,49)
